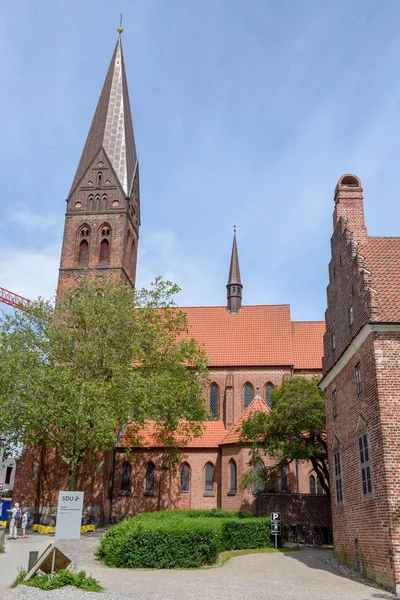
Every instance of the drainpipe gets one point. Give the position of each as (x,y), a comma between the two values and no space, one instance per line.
(219,498)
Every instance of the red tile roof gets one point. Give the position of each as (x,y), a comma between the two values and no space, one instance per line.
(382,258)
(308,344)
(257,405)
(256,335)
(213,434)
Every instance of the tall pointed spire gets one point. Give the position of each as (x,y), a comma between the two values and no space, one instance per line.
(112,128)
(234,286)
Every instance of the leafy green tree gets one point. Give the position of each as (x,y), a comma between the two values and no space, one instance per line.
(73,375)
(294,429)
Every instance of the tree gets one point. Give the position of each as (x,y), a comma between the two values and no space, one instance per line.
(72,375)
(294,429)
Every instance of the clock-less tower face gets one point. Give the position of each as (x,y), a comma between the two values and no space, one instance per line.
(103,207)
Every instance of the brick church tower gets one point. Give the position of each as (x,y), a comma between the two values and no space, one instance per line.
(103,206)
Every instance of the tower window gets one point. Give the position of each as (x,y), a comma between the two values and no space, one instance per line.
(247,394)
(334,403)
(97,203)
(83,253)
(90,203)
(214,401)
(338,478)
(104,203)
(99,179)
(185,477)
(104,251)
(268,394)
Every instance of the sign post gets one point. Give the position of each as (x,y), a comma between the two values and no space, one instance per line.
(69,515)
(276,526)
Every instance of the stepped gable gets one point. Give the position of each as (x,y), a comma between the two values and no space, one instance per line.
(382,259)
(308,344)
(254,336)
(213,434)
(256,405)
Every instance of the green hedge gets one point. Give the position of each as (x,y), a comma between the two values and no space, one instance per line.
(180,539)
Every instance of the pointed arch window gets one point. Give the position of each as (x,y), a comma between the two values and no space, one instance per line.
(232,477)
(258,470)
(90,203)
(284,478)
(312,484)
(104,203)
(185,477)
(99,179)
(97,203)
(351,316)
(248,394)
(104,244)
(319,486)
(150,473)
(83,248)
(268,394)
(126,479)
(214,400)
(209,478)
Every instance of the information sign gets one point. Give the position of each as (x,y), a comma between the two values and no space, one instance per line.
(69,515)
(276,526)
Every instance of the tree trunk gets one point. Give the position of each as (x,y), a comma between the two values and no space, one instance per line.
(73,472)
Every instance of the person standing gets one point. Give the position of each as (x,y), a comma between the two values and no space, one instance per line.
(15,517)
(24,524)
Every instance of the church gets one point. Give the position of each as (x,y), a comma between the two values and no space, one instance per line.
(251,349)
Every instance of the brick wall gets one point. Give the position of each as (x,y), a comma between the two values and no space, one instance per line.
(296,509)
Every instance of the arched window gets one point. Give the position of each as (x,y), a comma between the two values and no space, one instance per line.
(312,484)
(185,477)
(99,179)
(232,477)
(104,203)
(83,253)
(258,470)
(209,478)
(104,244)
(97,203)
(268,393)
(319,486)
(150,471)
(284,481)
(214,400)
(90,203)
(248,394)
(126,479)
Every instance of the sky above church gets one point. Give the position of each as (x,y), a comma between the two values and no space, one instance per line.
(244,112)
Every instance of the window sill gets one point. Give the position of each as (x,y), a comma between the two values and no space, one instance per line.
(209,494)
(231,493)
(184,491)
(124,493)
(149,494)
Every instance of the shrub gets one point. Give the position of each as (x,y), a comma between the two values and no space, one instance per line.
(246,533)
(181,539)
(58,580)
(161,543)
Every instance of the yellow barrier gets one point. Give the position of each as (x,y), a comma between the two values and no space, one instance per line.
(3,523)
(47,529)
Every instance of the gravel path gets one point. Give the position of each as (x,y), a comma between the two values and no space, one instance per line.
(310,574)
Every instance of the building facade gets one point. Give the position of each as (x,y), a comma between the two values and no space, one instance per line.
(252,349)
(361,379)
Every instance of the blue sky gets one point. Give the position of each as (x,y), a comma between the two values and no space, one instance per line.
(244,112)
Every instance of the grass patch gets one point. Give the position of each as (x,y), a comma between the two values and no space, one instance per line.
(59,579)
(228,554)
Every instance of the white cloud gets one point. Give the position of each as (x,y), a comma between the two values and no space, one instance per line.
(22,215)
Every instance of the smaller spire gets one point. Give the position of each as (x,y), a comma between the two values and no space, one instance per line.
(234,286)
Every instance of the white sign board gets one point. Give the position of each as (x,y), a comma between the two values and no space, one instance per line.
(69,515)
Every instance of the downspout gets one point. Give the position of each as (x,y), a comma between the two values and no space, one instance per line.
(219,498)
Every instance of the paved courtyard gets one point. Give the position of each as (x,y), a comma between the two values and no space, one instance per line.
(307,574)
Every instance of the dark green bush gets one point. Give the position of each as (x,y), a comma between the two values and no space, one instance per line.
(246,533)
(162,544)
(181,539)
